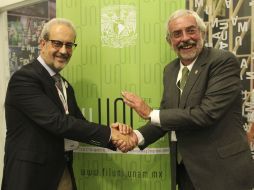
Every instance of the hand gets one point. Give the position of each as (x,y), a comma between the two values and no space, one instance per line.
(122,128)
(133,142)
(123,137)
(138,104)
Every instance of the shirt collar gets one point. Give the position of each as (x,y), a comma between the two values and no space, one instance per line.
(188,66)
(179,76)
(42,62)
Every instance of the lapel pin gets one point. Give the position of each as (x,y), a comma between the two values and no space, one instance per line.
(196,72)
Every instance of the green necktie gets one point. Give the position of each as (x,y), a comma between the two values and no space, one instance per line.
(185,73)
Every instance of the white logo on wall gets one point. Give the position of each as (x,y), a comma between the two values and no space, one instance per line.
(118,26)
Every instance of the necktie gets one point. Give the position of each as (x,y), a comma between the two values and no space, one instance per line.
(68,144)
(58,82)
(185,73)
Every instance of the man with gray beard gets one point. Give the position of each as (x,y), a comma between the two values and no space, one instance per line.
(201,108)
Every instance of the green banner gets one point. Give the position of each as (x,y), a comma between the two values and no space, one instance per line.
(121,46)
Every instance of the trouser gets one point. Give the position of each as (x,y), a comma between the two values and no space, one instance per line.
(67,181)
(183,179)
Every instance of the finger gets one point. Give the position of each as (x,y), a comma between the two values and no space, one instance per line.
(124,129)
(129,103)
(115,134)
(128,130)
(115,125)
(126,93)
(120,128)
(133,140)
(119,143)
(124,150)
(123,147)
(131,144)
(128,96)
(132,96)
(129,147)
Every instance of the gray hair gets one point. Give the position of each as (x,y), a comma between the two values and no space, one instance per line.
(184,12)
(47,26)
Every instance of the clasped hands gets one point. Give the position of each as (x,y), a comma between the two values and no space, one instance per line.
(122,135)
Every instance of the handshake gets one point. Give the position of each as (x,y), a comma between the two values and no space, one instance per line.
(123,137)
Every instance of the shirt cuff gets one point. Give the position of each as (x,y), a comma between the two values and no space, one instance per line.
(173,136)
(155,117)
(110,139)
(141,139)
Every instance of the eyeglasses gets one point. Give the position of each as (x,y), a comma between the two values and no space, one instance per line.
(59,44)
(189,31)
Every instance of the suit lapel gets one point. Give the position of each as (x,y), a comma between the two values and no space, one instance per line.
(48,83)
(193,76)
(174,92)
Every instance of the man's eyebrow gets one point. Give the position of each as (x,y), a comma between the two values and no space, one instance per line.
(188,27)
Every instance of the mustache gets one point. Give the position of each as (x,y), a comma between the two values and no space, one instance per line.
(63,55)
(187,43)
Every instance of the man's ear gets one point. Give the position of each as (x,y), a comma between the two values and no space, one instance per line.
(168,38)
(42,43)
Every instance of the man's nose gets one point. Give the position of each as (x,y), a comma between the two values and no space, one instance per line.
(63,49)
(185,36)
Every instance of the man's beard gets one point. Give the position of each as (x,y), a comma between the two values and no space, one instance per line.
(191,55)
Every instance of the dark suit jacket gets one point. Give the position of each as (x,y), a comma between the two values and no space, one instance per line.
(36,128)
(208,122)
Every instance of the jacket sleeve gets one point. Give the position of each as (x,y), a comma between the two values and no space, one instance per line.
(216,91)
(26,94)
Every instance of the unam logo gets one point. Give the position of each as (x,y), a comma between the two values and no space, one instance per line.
(118,26)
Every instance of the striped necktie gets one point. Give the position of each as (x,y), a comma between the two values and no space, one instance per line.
(185,73)
(58,81)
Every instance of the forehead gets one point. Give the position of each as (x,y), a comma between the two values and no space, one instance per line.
(61,32)
(182,22)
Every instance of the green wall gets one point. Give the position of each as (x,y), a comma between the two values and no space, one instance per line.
(121,46)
